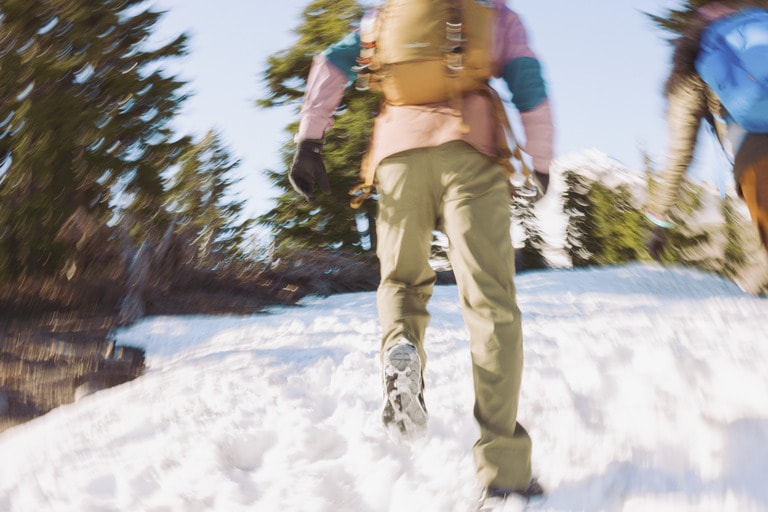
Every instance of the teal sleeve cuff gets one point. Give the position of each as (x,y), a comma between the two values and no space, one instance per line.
(525,82)
(343,54)
(658,221)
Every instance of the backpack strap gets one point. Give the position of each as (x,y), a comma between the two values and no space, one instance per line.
(364,190)
(505,135)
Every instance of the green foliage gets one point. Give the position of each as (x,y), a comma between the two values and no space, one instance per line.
(619,226)
(329,223)
(604,227)
(735,255)
(323,23)
(84,110)
(201,200)
(686,243)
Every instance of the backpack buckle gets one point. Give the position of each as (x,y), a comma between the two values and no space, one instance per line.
(454,51)
(454,59)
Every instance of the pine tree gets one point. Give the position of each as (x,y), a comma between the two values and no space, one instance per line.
(201,197)
(329,223)
(84,108)
(619,227)
(530,256)
(604,227)
(577,207)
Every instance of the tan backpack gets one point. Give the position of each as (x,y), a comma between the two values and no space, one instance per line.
(427,51)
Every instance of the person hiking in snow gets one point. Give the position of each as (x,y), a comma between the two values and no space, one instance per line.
(689,100)
(437,166)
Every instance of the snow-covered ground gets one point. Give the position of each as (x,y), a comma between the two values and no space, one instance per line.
(644,390)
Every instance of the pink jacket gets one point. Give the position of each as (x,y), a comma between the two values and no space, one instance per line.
(400,128)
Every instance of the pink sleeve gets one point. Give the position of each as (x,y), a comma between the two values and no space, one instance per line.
(512,43)
(539,134)
(511,40)
(325,89)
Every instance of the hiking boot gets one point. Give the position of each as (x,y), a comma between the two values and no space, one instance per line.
(508,500)
(404,412)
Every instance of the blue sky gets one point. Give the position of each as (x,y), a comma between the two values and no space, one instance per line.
(604,61)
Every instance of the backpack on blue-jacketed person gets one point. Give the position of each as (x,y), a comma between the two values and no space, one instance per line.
(733,61)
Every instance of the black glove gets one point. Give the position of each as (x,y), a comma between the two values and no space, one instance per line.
(308,168)
(543,182)
(655,242)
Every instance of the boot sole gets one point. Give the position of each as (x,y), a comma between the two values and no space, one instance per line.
(403,410)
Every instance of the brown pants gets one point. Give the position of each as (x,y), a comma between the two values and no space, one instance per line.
(456,189)
(754,188)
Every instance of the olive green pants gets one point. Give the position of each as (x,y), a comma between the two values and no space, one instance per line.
(457,190)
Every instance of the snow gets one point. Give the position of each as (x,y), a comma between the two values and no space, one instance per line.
(644,390)
(595,165)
